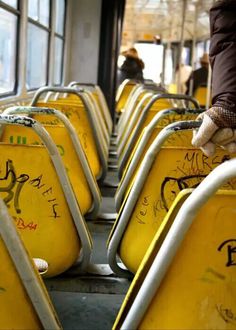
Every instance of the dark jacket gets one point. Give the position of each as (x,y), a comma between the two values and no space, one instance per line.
(223,53)
(199,78)
(132,68)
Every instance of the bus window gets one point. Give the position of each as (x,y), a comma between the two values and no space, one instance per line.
(8,41)
(37,43)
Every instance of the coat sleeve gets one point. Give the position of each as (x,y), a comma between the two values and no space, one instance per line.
(223,54)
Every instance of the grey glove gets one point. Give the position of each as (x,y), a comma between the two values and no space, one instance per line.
(217,128)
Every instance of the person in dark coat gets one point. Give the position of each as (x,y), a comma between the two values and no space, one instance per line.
(132,68)
(199,76)
(219,122)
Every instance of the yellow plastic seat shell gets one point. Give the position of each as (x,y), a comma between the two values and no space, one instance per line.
(157,103)
(87,101)
(149,133)
(100,98)
(149,199)
(66,139)
(24,302)
(123,92)
(92,102)
(192,277)
(130,122)
(85,125)
(42,202)
(136,101)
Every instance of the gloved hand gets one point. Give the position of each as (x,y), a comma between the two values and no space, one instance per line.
(217,128)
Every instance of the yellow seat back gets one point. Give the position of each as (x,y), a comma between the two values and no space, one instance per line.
(31,189)
(60,136)
(79,119)
(182,138)
(198,289)
(173,169)
(137,130)
(124,93)
(23,294)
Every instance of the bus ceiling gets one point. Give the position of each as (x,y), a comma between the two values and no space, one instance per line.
(162,20)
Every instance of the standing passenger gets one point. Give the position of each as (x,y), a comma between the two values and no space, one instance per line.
(132,68)
(199,76)
(219,122)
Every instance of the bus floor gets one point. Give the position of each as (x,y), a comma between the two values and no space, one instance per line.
(91,301)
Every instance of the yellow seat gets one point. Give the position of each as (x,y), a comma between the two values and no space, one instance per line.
(83,183)
(163,173)
(24,302)
(84,122)
(100,98)
(157,103)
(130,116)
(123,93)
(93,106)
(85,99)
(187,278)
(149,133)
(35,187)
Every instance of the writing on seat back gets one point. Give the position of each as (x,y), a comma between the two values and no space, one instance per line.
(174,169)
(31,189)
(201,277)
(59,134)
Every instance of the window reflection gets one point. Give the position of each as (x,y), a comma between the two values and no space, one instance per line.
(8,23)
(37,54)
(12,3)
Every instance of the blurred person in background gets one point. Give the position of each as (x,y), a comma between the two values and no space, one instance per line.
(132,67)
(199,77)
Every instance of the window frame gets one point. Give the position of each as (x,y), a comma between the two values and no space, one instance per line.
(63,38)
(49,30)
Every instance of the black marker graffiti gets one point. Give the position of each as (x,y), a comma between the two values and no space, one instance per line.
(226,314)
(14,181)
(231,250)
(189,181)
(15,186)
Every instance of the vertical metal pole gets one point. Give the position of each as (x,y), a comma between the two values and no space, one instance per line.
(193,59)
(181,44)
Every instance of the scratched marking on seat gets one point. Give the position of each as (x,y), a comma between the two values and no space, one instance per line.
(12,184)
(186,172)
(189,173)
(226,313)
(176,117)
(22,224)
